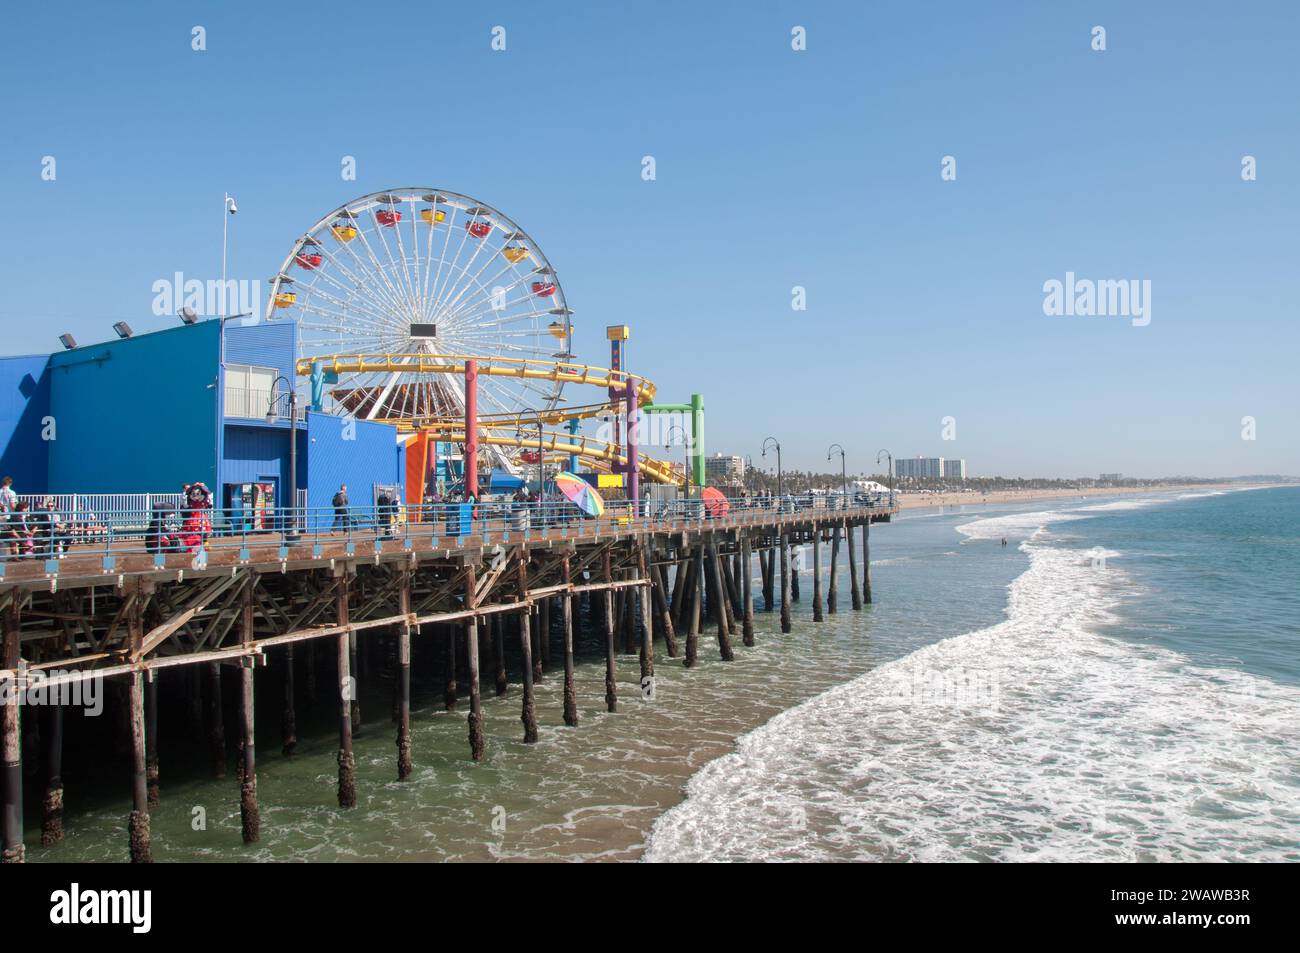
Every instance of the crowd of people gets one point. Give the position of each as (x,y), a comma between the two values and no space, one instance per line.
(28,533)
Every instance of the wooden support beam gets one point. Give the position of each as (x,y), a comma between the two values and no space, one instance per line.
(475,718)
(611,684)
(659,593)
(141,842)
(642,595)
(570,690)
(746,589)
(855,594)
(12,850)
(695,592)
(721,605)
(529,713)
(786,621)
(250,815)
(866,561)
(52,758)
(150,738)
(345,689)
(404,679)
(216,722)
(833,586)
(817,574)
(289,708)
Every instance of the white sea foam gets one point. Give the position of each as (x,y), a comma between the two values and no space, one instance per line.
(1033,739)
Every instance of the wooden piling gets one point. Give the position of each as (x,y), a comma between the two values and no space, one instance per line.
(404,764)
(346,687)
(475,719)
(250,814)
(216,722)
(854,592)
(661,607)
(141,842)
(786,620)
(767,560)
(724,630)
(794,572)
(52,758)
(866,561)
(833,587)
(746,590)
(150,739)
(570,688)
(643,597)
(529,714)
(12,850)
(449,688)
(611,686)
(544,635)
(499,653)
(289,707)
(696,595)
(355,704)
(817,574)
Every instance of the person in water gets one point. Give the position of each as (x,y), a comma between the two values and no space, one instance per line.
(1004,542)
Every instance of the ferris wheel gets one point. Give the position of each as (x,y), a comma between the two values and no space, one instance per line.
(423,273)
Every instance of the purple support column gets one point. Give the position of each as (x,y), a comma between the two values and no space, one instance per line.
(633,456)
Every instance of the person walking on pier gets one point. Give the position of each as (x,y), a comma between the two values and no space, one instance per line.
(340,503)
(8,498)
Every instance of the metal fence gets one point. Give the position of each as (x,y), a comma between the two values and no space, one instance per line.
(159,523)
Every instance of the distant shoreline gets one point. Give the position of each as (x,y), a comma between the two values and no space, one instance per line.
(911,501)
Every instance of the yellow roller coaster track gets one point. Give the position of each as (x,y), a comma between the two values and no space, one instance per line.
(558,372)
(452,430)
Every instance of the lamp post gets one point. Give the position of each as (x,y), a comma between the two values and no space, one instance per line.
(686,454)
(292,535)
(228,208)
(780,485)
(844,478)
(886,453)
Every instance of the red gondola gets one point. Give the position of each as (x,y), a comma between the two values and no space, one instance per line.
(388,217)
(309,260)
(543,289)
(529,456)
(479,229)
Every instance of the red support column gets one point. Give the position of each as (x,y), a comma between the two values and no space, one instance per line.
(471,427)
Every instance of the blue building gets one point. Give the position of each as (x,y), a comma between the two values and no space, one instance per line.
(198,402)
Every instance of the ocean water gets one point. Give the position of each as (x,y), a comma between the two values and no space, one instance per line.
(1121,681)
(1138,701)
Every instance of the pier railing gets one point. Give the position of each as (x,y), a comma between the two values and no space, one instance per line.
(160,525)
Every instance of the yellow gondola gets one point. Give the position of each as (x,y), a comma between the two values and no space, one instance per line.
(514,253)
(558,329)
(433,215)
(285,299)
(344,231)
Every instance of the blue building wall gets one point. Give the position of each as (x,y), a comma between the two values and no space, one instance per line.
(265,344)
(372,458)
(24,405)
(136,415)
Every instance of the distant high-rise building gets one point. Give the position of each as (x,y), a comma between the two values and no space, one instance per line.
(929,468)
(1110,477)
(724,470)
(919,468)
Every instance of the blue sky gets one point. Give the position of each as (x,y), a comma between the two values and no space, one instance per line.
(775,168)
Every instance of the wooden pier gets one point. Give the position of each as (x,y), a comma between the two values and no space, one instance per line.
(136,618)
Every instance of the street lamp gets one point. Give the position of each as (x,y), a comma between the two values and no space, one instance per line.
(230,208)
(292,535)
(780,491)
(886,453)
(686,453)
(844,477)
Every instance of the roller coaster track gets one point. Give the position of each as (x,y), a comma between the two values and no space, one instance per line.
(506,430)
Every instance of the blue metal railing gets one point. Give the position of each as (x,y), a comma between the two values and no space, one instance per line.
(166,527)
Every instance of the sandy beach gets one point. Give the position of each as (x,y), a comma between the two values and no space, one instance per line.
(910,501)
